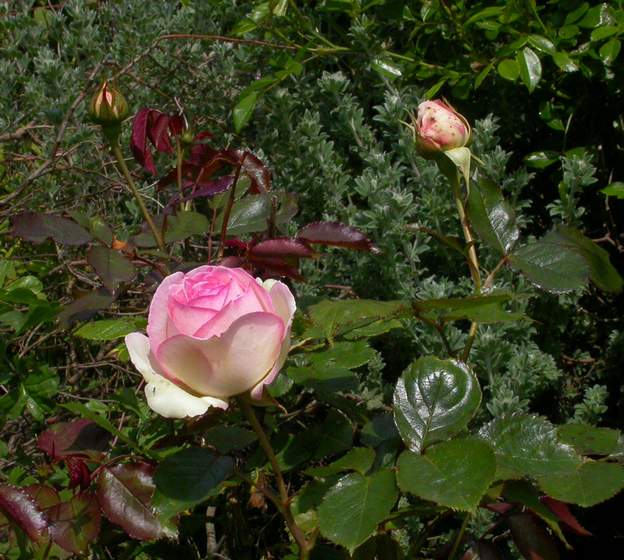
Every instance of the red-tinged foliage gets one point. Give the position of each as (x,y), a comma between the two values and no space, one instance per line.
(44,495)
(151,126)
(499,507)
(39,227)
(125,494)
(562,511)
(204,190)
(80,438)
(76,523)
(338,235)
(79,473)
(20,508)
(531,538)
(281,247)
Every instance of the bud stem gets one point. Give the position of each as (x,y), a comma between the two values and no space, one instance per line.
(137,195)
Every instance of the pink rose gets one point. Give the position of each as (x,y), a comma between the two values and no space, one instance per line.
(439,128)
(212,333)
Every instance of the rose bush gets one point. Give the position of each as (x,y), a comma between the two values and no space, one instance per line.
(212,333)
(439,128)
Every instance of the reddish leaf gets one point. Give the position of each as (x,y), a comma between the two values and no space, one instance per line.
(336,234)
(79,473)
(111,266)
(125,493)
(562,511)
(256,170)
(44,495)
(281,247)
(86,306)
(498,507)
(209,188)
(39,227)
(80,437)
(138,141)
(483,550)
(22,509)
(75,524)
(531,538)
(158,132)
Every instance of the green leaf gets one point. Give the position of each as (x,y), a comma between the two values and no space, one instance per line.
(603,32)
(589,440)
(243,110)
(433,400)
(332,318)
(483,309)
(454,474)
(542,44)
(358,459)
(530,68)
(185,224)
(492,216)
(228,438)
(587,485)
(542,159)
(109,329)
(551,265)
(352,509)
(610,51)
(601,271)
(192,475)
(111,266)
(508,69)
(615,189)
(527,446)
(564,62)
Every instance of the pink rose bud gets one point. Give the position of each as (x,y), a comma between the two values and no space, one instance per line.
(108,106)
(212,333)
(438,128)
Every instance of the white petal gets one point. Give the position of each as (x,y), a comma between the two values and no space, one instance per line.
(163,396)
(282,298)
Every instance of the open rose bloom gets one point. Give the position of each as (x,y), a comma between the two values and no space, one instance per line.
(212,333)
(439,128)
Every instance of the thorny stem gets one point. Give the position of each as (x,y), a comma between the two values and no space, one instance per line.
(228,208)
(473,260)
(137,195)
(284,499)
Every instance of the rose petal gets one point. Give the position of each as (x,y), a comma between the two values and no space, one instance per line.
(227,365)
(159,327)
(163,396)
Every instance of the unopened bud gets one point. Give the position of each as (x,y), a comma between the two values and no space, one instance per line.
(108,106)
(439,128)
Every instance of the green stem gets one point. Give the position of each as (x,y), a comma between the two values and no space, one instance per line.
(460,536)
(284,499)
(137,195)
(473,260)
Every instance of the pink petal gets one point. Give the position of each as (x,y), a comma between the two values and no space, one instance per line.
(221,321)
(158,323)
(227,365)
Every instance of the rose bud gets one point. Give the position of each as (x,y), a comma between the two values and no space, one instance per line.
(439,128)
(108,106)
(212,333)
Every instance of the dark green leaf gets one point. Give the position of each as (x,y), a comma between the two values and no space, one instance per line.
(615,189)
(433,400)
(587,485)
(185,224)
(352,509)
(454,474)
(243,110)
(492,216)
(589,440)
(228,438)
(358,459)
(39,227)
(527,446)
(75,524)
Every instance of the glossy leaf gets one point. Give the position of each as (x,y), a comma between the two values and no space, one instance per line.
(551,265)
(587,485)
(243,110)
(610,51)
(492,216)
(530,68)
(17,505)
(283,247)
(433,400)
(39,227)
(454,474)
(527,445)
(358,459)
(75,524)
(125,493)
(589,440)
(508,69)
(352,509)
(336,234)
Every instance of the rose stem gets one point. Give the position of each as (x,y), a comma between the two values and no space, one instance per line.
(228,208)
(473,260)
(296,531)
(137,195)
